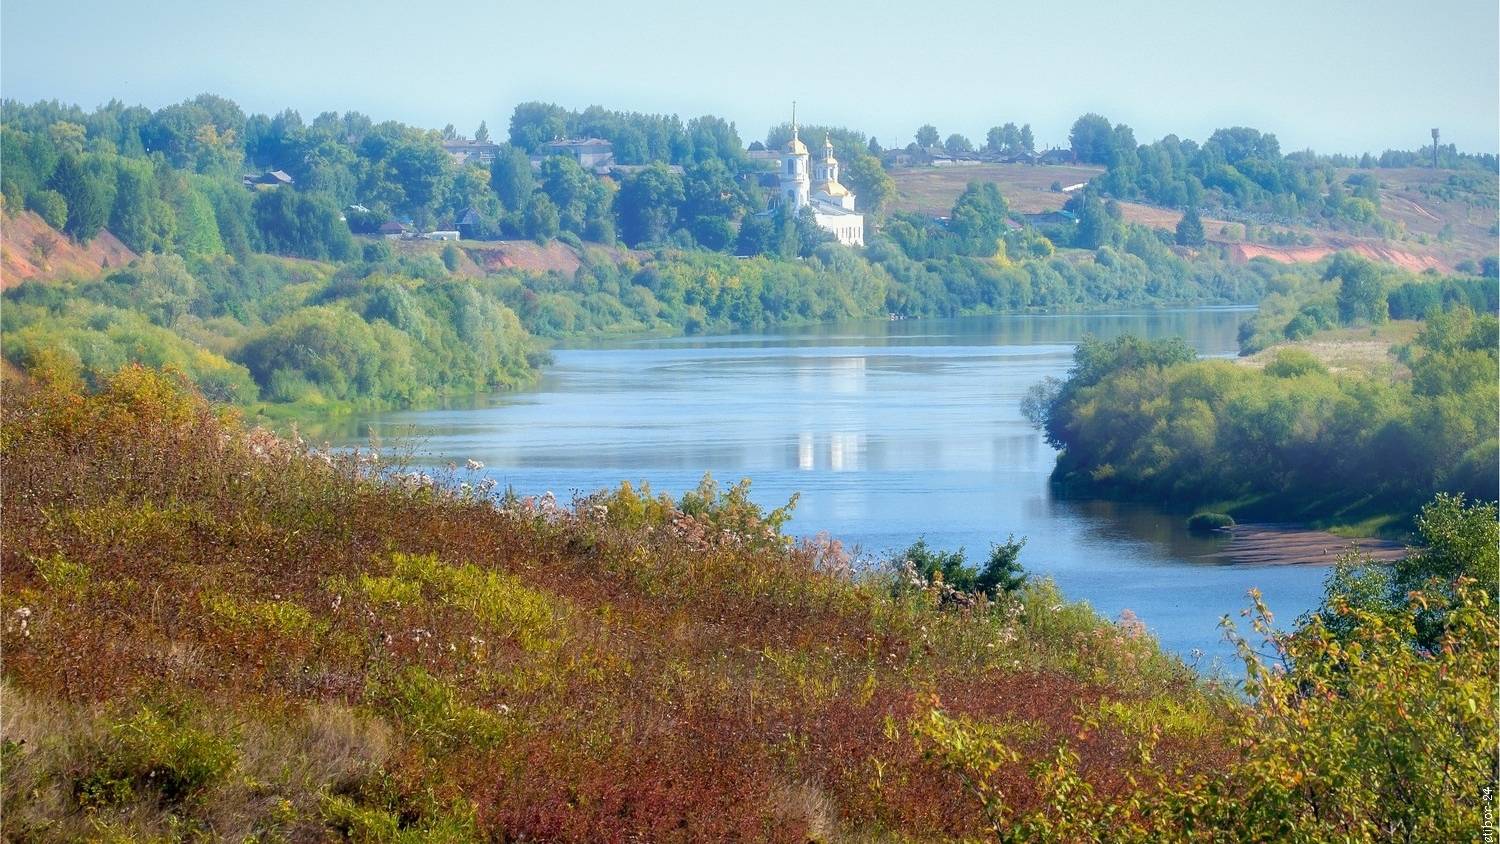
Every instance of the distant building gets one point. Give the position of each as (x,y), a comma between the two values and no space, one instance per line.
(470,225)
(588,152)
(832,204)
(1058,156)
(270,178)
(393,230)
(1053,217)
(467,150)
(441,235)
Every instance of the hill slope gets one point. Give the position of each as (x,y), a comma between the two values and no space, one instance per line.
(211,629)
(29,248)
(1449,216)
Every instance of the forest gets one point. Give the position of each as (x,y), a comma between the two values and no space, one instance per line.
(1244,169)
(282,294)
(1294,440)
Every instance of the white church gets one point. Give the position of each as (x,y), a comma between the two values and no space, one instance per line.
(832,203)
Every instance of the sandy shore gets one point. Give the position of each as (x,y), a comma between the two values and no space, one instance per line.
(1268,544)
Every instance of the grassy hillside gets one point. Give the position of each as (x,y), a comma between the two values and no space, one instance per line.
(1027,188)
(210,629)
(1448,216)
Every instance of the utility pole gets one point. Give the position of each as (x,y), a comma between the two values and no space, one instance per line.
(1434,148)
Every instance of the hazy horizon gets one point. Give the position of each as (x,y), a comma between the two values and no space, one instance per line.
(1323,76)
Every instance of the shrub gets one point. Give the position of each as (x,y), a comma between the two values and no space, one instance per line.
(50,206)
(156,752)
(1208,523)
(1292,363)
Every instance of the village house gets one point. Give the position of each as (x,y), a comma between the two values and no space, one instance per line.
(268,179)
(467,150)
(590,153)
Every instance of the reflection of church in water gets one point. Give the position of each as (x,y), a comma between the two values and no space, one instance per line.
(832,204)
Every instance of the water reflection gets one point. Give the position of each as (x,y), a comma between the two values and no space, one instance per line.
(889,430)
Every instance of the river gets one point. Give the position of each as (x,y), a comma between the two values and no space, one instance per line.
(889,430)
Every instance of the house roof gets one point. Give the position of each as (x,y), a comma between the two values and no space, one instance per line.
(574,143)
(832,188)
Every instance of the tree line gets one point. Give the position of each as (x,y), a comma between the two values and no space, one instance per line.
(1294,440)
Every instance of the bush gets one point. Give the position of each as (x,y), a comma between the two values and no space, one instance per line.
(50,206)
(1209,523)
(1290,363)
(156,752)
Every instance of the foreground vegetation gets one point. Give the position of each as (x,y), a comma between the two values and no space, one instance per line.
(214,632)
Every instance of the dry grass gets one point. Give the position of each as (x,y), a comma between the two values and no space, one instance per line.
(217,633)
(1365,350)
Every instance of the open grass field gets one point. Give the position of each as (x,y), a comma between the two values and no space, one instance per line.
(1448,216)
(1366,350)
(1027,187)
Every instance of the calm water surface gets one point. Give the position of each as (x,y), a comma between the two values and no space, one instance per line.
(889,430)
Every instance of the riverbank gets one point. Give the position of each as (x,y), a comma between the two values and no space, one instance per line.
(1293,545)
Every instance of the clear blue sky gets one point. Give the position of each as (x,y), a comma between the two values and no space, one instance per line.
(1336,75)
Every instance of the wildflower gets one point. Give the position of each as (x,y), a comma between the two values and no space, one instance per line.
(338,601)
(473,465)
(1131,625)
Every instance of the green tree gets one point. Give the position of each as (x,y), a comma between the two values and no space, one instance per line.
(139,217)
(576,193)
(1096,226)
(86,196)
(542,220)
(1190,228)
(482,134)
(533,124)
(978,219)
(1027,140)
(1092,139)
(958,145)
(1000,139)
(1362,289)
(511,177)
(307,226)
(647,205)
(927,136)
(50,206)
(710,190)
(873,187)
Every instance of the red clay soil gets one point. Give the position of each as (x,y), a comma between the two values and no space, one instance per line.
(29,248)
(1241,252)
(525,255)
